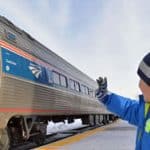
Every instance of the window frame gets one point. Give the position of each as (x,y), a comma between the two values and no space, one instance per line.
(49,74)
(77,86)
(61,76)
(56,73)
(70,84)
(85,89)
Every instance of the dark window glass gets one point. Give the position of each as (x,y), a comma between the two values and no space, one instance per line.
(63,81)
(56,78)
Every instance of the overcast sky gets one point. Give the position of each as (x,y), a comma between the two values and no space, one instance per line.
(99,37)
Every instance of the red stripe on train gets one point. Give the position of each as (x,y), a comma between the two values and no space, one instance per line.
(31,110)
(22,53)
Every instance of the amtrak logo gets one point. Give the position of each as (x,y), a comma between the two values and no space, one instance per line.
(36,70)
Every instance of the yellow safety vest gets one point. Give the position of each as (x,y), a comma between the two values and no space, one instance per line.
(147,124)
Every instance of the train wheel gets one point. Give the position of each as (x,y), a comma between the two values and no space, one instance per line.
(101,119)
(39,139)
(4,139)
(91,120)
(104,120)
(97,120)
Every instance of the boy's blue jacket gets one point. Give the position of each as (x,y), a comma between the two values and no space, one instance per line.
(132,111)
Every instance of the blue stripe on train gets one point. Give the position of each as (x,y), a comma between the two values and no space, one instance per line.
(21,67)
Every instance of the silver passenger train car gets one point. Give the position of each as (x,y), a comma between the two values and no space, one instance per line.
(36,86)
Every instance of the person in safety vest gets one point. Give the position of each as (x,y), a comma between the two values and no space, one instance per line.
(135,112)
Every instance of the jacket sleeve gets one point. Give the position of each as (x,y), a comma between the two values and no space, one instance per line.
(125,108)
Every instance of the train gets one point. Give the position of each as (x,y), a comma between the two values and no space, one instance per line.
(37,86)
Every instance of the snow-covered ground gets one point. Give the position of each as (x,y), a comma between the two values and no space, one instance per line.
(62,126)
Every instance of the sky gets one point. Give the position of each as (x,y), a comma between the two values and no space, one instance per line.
(100,37)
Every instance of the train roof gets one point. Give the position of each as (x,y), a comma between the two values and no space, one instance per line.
(29,44)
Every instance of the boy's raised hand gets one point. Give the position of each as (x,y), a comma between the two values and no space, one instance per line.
(102,91)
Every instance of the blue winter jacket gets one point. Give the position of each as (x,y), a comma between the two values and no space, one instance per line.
(132,111)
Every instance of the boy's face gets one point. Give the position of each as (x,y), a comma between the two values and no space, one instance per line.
(145,89)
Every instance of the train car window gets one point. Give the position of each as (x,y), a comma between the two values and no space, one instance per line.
(82,88)
(63,81)
(91,92)
(49,76)
(86,90)
(56,78)
(72,84)
(77,86)
(10,36)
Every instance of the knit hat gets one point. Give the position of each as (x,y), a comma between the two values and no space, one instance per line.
(144,69)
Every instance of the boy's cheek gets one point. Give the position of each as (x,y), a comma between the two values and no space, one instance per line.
(146,95)
(147,98)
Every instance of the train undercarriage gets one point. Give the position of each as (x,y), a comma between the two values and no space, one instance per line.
(21,129)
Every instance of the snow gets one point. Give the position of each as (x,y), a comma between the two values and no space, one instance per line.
(62,126)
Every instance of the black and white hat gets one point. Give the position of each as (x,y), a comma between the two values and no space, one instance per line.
(144,69)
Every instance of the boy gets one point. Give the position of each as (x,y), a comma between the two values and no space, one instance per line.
(135,112)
